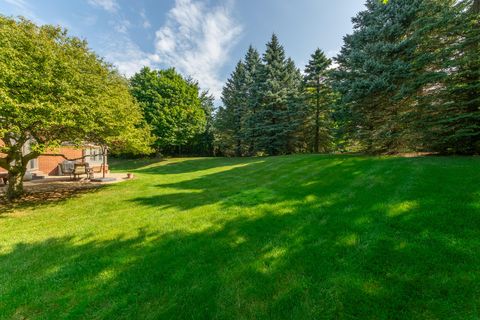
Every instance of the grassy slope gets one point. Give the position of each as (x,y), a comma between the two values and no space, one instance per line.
(286,237)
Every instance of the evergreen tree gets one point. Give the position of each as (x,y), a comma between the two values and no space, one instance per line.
(235,103)
(318,96)
(381,73)
(272,117)
(455,109)
(253,66)
(296,112)
(262,109)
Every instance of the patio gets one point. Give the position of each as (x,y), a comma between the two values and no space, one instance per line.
(53,188)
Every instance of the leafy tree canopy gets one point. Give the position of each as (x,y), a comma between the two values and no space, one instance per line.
(170,104)
(53,89)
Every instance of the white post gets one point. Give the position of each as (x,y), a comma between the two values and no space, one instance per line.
(104,169)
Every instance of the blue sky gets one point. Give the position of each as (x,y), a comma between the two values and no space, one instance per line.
(200,38)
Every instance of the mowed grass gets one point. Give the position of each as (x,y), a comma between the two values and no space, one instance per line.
(295,237)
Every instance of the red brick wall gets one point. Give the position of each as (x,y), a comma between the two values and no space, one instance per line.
(49,164)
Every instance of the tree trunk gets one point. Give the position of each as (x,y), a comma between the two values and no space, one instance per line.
(15,183)
(238,149)
(317,119)
(476,6)
(317,130)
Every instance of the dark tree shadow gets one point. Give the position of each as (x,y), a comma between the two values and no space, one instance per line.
(54,194)
(176,166)
(122,165)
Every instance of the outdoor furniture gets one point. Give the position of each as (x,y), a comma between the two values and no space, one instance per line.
(4,178)
(66,167)
(95,170)
(81,169)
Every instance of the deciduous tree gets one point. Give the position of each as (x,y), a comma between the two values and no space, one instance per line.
(54,89)
(171,106)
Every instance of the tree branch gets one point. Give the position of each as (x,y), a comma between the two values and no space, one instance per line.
(30,156)
(63,156)
(71,159)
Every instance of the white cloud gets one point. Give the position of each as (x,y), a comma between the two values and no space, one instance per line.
(145,22)
(197,41)
(108,5)
(121,25)
(126,55)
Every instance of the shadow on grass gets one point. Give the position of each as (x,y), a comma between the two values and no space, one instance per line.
(185,166)
(48,195)
(173,166)
(335,237)
(122,165)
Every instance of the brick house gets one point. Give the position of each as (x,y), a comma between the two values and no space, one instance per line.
(49,165)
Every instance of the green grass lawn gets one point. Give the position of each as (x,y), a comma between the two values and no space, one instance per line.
(296,237)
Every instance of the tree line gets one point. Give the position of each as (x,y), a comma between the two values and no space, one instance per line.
(269,107)
(409,77)
(406,79)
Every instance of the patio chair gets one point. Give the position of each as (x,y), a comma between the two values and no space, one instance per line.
(80,169)
(66,167)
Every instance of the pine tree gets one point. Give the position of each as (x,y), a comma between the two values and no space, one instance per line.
(272,118)
(263,108)
(457,118)
(295,108)
(381,73)
(253,65)
(235,104)
(319,98)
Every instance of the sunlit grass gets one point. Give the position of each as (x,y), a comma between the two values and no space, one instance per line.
(297,237)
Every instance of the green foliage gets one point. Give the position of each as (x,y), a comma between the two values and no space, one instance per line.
(237,121)
(319,98)
(262,109)
(273,113)
(203,142)
(171,106)
(409,77)
(53,89)
(235,103)
(253,66)
(454,104)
